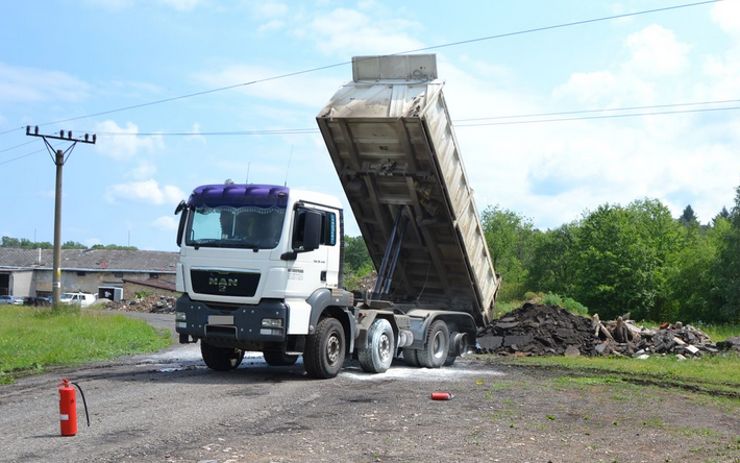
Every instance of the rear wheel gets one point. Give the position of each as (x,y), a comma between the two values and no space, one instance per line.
(434,353)
(221,358)
(276,358)
(377,355)
(325,349)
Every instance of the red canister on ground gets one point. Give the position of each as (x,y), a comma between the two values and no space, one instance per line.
(67,408)
(441,395)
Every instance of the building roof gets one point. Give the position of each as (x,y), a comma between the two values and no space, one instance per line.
(90,260)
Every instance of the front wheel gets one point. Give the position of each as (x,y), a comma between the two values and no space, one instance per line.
(377,355)
(221,358)
(325,349)
(434,353)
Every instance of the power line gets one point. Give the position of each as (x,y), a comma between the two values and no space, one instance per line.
(21,156)
(462,122)
(584,111)
(16,146)
(343,63)
(209,134)
(607,116)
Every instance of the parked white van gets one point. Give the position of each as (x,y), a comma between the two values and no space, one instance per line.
(81,299)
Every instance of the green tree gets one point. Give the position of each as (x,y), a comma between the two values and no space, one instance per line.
(357,263)
(728,268)
(73,245)
(693,281)
(688,218)
(511,240)
(553,262)
(623,260)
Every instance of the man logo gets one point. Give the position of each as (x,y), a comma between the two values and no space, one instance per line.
(222,283)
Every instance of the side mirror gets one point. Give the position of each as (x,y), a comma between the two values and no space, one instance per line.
(312,231)
(183,218)
(306,234)
(180,207)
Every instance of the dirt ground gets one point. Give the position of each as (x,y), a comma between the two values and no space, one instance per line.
(168,407)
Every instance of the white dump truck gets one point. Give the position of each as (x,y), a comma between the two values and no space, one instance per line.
(261,265)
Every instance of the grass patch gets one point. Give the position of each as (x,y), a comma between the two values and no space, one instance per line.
(32,339)
(720,373)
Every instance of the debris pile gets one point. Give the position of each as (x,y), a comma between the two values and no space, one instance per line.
(536,329)
(151,303)
(623,337)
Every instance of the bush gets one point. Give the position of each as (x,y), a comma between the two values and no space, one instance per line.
(568,303)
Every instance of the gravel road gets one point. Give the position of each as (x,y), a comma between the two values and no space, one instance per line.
(168,407)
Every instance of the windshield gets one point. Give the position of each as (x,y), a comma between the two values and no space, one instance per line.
(236,227)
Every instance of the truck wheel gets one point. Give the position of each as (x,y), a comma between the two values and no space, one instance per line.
(275,358)
(377,355)
(221,358)
(325,349)
(435,351)
(450,360)
(410,357)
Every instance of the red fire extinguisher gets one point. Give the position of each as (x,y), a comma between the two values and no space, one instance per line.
(68,407)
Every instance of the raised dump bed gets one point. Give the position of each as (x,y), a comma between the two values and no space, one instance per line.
(393,145)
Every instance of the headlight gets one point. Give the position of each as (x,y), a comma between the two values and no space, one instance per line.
(180,316)
(272,322)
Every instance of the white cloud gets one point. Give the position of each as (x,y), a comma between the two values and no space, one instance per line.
(727,15)
(165,223)
(122,143)
(145,191)
(20,84)
(350,32)
(655,50)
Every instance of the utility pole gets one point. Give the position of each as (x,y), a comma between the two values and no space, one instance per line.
(59,157)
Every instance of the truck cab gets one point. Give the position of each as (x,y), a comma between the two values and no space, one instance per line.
(259,265)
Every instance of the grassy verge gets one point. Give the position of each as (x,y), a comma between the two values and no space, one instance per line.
(719,373)
(32,339)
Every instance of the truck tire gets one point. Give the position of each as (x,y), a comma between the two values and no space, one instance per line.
(221,358)
(437,346)
(325,349)
(275,358)
(450,360)
(377,355)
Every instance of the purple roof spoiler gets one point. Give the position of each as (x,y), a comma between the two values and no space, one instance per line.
(239,195)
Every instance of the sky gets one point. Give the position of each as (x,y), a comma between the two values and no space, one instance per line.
(65,59)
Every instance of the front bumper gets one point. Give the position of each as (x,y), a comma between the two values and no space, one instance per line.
(232,324)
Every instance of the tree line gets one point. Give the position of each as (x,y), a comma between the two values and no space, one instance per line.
(617,259)
(23,243)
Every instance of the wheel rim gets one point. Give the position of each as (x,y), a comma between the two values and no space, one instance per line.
(438,345)
(384,347)
(333,348)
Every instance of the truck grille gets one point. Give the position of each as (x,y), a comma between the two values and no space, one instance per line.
(224,283)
